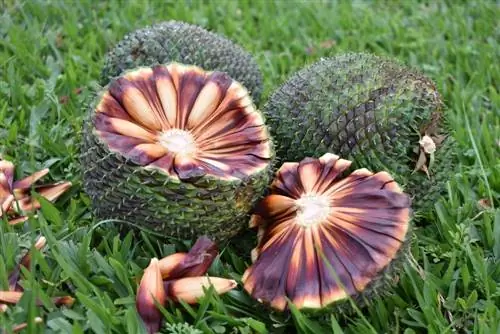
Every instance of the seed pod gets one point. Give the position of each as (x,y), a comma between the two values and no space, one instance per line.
(25,262)
(13,297)
(194,263)
(24,325)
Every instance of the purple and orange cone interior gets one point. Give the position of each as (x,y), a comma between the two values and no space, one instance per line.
(324,237)
(184,122)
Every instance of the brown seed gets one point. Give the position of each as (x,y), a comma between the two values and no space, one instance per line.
(151,291)
(169,263)
(64,300)
(191,289)
(24,325)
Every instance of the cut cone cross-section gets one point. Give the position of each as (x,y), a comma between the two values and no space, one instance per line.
(178,150)
(324,237)
(185,122)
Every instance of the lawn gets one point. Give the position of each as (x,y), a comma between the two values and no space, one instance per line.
(51,54)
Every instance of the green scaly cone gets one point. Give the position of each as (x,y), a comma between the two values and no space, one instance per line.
(175,41)
(370,110)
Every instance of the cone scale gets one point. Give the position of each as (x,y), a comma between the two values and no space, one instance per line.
(324,237)
(176,149)
(15,195)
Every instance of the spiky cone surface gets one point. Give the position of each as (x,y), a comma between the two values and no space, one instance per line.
(177,150)
(15,195)
(324,237)
(369,109)
(175,41)
(26,263)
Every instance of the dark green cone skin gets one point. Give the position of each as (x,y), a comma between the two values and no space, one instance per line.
(174,41)
(120,189)
(363,108)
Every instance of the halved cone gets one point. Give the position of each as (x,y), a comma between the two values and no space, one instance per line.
(194,263)
(151,290)
(184,122)
(191,289)
(323,237)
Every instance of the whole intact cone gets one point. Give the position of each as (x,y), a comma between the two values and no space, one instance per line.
(371,110)
(324,237)
(176,149)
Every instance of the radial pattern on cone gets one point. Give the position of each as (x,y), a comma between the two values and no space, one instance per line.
(323,237)
(185,122)
(178,149)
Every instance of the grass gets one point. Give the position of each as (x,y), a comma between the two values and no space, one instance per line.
(51,49)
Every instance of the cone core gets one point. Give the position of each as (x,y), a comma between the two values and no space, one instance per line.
(312,209)
(177,141)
